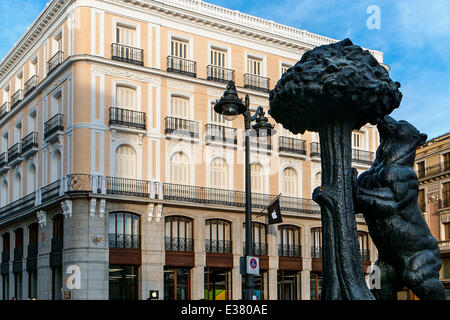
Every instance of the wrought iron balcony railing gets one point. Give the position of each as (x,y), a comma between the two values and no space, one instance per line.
(16,98)
(128,187)
(4,109)
(434,170)
(316,252)
(18,253)
(444,245)
(362,156)
(123,53)
(6,256)
(30,84)
(365,254)
(32,250)
(292,145)
(289,250)
(55,61)
(127,118)
(57,244)
(255,82)
(217,133)
(14,152)
(124,241)
(29,143)
(183,66)
(224,197)
(3,159)
(54,125)
(179,244)
(315,149)
(220,74)
(181,127)
(218,246)
(259,249)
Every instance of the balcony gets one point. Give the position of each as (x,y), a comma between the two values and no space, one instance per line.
(182,66)
(55,61)
(4,162)
(32,256)
(259,249)
(179,244)
(444,245)
(218,246)
(4,269)
(128,187)
(220,74)
(127,118)
(363,157)
(31,84)
(29,144)
(14,154)
(178,126)
(16,98)
(56,252)
(54,126)
(289,250)
(434,170)
(255,82)
(4,109)
(315,149)
(220,134)
(120,52)
(292,145)
(316,252)
(124,241)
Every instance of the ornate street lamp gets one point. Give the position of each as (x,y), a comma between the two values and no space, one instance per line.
(230,106)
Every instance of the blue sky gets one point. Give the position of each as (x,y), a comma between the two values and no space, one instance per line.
(414,36)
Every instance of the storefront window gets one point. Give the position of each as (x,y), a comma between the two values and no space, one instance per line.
(217,284)
(123,282)
(289,285)
(261,285)
(176,284)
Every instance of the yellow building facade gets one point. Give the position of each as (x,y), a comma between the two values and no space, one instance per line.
(113,162)
(433,170)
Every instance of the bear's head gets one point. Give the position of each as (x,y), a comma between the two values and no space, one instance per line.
(398,142)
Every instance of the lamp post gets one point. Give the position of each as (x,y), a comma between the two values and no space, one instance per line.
(230,106)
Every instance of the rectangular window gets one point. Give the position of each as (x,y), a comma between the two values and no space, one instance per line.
(218,58)
(421,200)
(32,284)
(254,66)
(284,68)
(57,283)
(217,118)
(421,169)
(180,107)
(446,158)
(126,36)
(357,140)
(179,48)
(126,98)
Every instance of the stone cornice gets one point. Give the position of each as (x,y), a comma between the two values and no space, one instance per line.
(36,30)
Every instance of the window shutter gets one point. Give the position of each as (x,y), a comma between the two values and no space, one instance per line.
(125,162)
(126,98)
(126,36)
(180,107)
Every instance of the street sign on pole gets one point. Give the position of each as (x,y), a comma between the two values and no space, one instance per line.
(252,265)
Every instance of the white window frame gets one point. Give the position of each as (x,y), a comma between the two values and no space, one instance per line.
(182,95)
(179,37)
(137,87)
(261,57)
(215,46)
(127,24)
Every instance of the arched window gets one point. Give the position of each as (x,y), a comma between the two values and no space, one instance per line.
(219,173)
(17,187)
(318,180)
(180,107)
(289,241)
(4,193)
(316,242)
(178,234)
(363,238)
(124,230)
(179,169)
(259,233)
(289,182)
(256,173)
(126,162)
(31,179)
(56,166)
(218,236)
(126,98)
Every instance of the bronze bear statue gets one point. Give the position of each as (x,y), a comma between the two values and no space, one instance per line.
(386,194)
